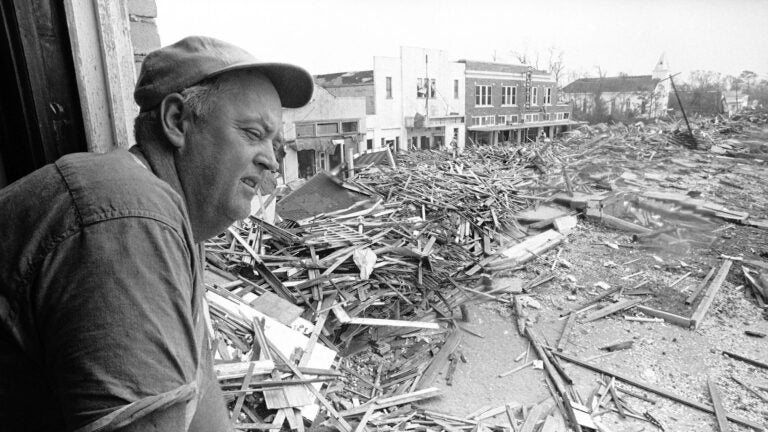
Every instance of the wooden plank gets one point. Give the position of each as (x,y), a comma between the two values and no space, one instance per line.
(623,225)
(659,391)
(566,331)
(402,399)
(750,388)
(666,316)
(102,54)
(709,294)
(700,286)
(626,304)
(394,323)
(278,308)
(237,370)
(753,362)
(529,249)
(441,360)
(717,403)
(341,423)
(536,414)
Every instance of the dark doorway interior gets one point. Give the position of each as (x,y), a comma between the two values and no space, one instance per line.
(40,117)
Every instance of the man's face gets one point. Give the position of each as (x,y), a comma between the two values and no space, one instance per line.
(228,153)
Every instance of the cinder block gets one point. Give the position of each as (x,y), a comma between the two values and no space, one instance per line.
(144,37)
(144,8)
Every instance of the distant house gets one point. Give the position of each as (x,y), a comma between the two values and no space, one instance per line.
(734,101)
(641,96)
(323,135)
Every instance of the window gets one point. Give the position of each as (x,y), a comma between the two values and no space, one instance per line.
(369,144)
(530,118)
(476,121)
(389,87)
(508,95)
(566,116)
(327,128)
(488,120)
(421,87)
(511,119)
(502,119)
(455,89)
(548,96)
(559,116)
(534,96)
(350,126)
(305,130)
(482,95)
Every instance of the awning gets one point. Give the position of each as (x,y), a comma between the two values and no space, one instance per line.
(320,144)
(517,126)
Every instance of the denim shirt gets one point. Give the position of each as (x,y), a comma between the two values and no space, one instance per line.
(100,297)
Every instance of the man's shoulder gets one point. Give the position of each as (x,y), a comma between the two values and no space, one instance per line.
(117,184)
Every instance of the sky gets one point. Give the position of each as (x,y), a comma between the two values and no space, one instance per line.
(618,36)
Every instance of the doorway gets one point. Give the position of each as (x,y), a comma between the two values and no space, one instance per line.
(40,116)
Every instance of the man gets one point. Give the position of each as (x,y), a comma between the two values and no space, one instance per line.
(101,291)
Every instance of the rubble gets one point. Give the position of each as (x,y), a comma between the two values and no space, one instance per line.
(349,316)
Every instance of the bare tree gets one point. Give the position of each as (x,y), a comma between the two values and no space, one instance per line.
(556,64)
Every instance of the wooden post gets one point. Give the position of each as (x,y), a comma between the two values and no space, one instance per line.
(690,131)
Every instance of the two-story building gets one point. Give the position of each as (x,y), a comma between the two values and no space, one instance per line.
(322,135)
(511,103)
(415,100)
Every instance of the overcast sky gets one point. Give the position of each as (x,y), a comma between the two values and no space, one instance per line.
(725,36)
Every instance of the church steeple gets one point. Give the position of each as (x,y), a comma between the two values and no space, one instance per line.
(661,70)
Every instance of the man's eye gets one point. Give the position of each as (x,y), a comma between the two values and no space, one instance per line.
(253,134)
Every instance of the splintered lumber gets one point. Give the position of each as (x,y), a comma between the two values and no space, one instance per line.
(566,331)
(717,403)
(519,368)
(614,222)
(700,286)
(236,370)
(753,362)
(402,399)
(662,392)
(393,323)
(537,413)
(709,295)
(341,423)
(626,304)
(666,316)
(440,361)
(593,300)
(750,388)
(530,248)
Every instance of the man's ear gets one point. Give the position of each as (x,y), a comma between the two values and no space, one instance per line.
(172,115)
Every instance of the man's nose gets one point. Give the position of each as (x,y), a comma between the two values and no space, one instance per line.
(267,158)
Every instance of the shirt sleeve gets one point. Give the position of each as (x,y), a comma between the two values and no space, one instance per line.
(115,307)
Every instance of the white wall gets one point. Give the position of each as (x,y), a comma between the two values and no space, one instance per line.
(323,106)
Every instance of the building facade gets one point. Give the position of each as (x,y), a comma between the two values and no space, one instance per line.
(622,97)
(323,135)
(511,103)
(413,101)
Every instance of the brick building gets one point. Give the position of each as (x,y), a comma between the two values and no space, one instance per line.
(511,103)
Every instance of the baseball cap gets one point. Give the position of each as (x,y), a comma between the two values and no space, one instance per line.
(175,67)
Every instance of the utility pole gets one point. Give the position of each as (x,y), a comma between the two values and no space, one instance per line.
(679,102)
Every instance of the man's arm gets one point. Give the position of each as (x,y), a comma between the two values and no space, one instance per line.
(116,312)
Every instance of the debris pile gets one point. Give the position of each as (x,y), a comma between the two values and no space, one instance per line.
(358,311)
